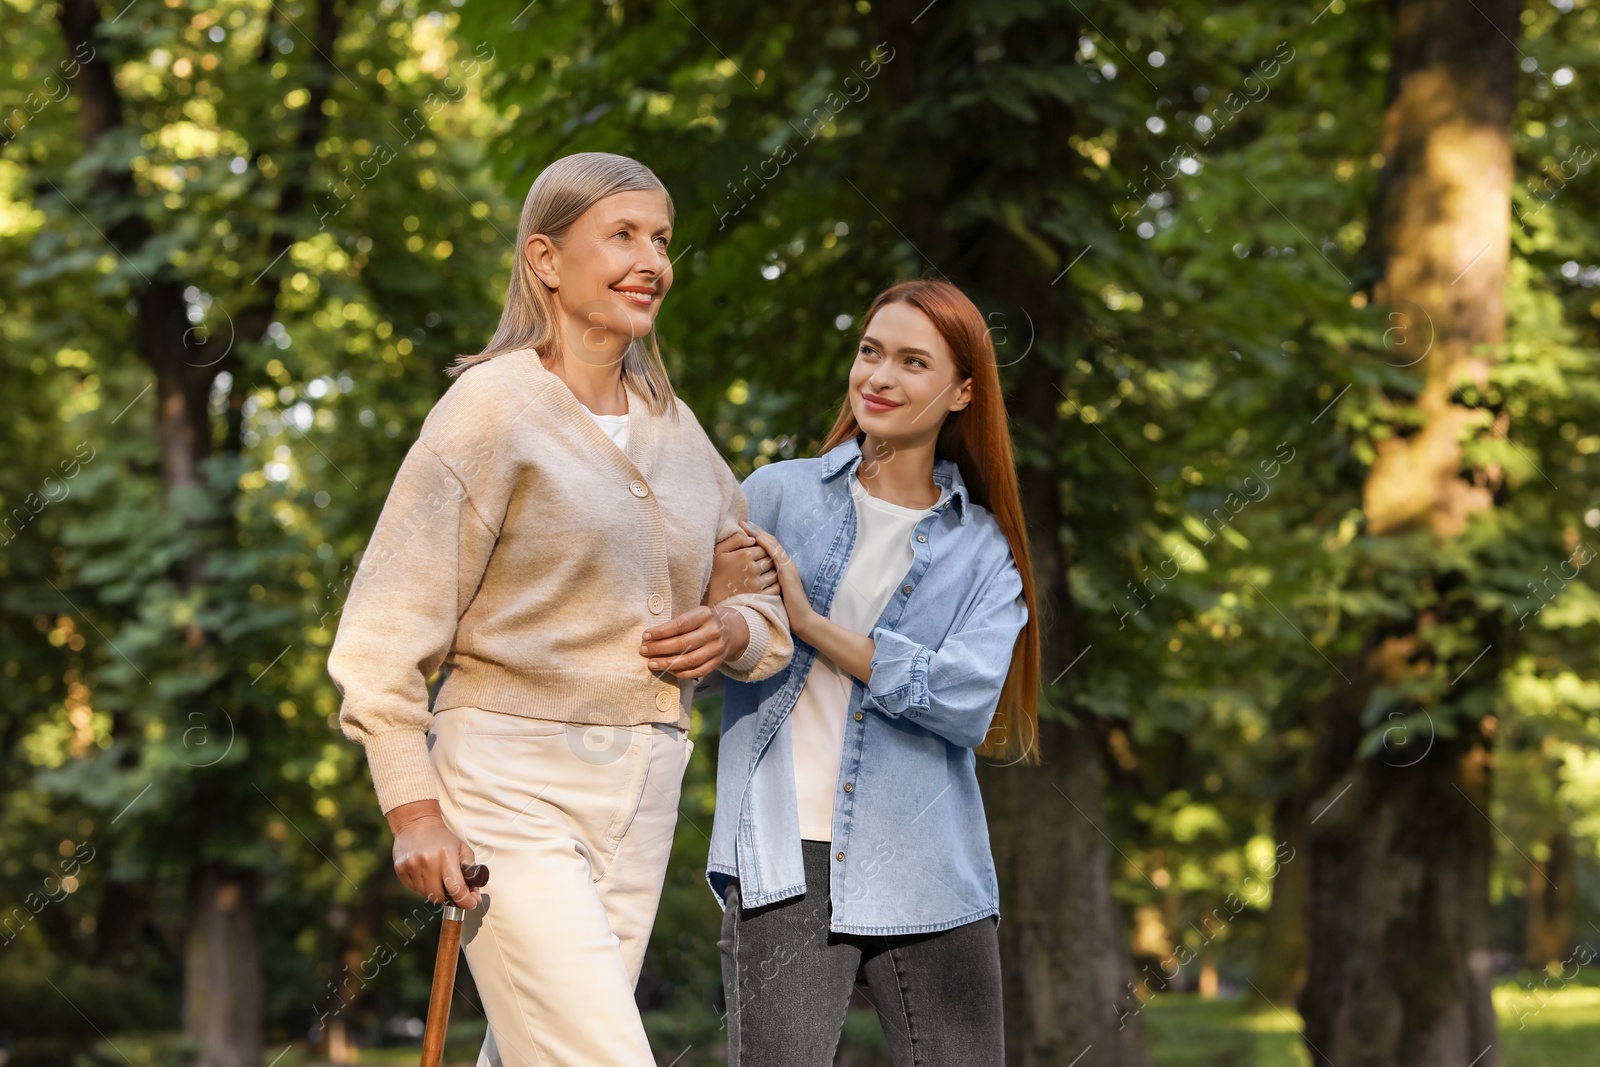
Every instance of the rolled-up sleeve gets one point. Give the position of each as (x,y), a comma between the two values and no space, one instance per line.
(952,690)
(417,577)
(771,644)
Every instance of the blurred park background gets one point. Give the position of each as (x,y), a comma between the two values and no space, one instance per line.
(1297,311)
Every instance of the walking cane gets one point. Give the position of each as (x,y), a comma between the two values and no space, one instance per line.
(444,970)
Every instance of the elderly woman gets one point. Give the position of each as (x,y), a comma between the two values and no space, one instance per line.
(547,543)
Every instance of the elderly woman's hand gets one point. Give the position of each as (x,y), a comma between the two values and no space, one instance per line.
(697,642)
(428,857)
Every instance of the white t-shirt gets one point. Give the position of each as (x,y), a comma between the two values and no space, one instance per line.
(615,425)
(880,559)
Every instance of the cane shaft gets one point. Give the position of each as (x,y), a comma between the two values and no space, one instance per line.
(444,983)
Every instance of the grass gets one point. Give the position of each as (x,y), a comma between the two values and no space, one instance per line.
(1543,1023)
(1185,1031)
(1549,1024)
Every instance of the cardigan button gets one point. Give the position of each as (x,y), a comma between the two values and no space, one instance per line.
(922,537)
(905,588)
(848,786)
(858,716)
(655,603)
(639,488)
(666,699)
(840,857)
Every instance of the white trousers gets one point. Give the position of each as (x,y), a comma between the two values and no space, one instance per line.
(576,824)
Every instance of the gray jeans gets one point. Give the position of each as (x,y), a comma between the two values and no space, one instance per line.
(788,979)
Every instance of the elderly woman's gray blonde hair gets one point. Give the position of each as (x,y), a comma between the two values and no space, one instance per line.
(563,191)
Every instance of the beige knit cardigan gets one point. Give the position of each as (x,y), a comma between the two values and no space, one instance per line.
(525,553)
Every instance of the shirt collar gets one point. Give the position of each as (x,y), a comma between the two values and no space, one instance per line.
(846,455)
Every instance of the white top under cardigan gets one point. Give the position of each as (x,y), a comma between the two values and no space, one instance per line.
(880,559)
(615,425)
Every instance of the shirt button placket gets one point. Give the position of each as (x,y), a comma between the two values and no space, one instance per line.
(666,699)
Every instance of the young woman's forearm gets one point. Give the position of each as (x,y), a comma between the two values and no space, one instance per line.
(852,652)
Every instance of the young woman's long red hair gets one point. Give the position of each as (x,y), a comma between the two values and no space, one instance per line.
(978,439)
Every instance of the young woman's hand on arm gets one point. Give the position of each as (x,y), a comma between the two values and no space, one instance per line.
(744,632)
(741,565)
(851,651)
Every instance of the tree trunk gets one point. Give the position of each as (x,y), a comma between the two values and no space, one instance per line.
(1443,235)
(1281,967)
(1399,906)
(222,967)
(355,936)
(1552,901)
(117,921)
(1400,844)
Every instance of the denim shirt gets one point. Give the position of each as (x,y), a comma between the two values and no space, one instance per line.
(910,846)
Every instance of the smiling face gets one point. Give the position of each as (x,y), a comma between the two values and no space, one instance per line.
(610,272)
(905,380)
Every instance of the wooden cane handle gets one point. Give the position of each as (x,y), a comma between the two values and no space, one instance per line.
(476,874)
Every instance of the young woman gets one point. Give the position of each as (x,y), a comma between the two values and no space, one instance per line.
(849,833)
(547,542)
